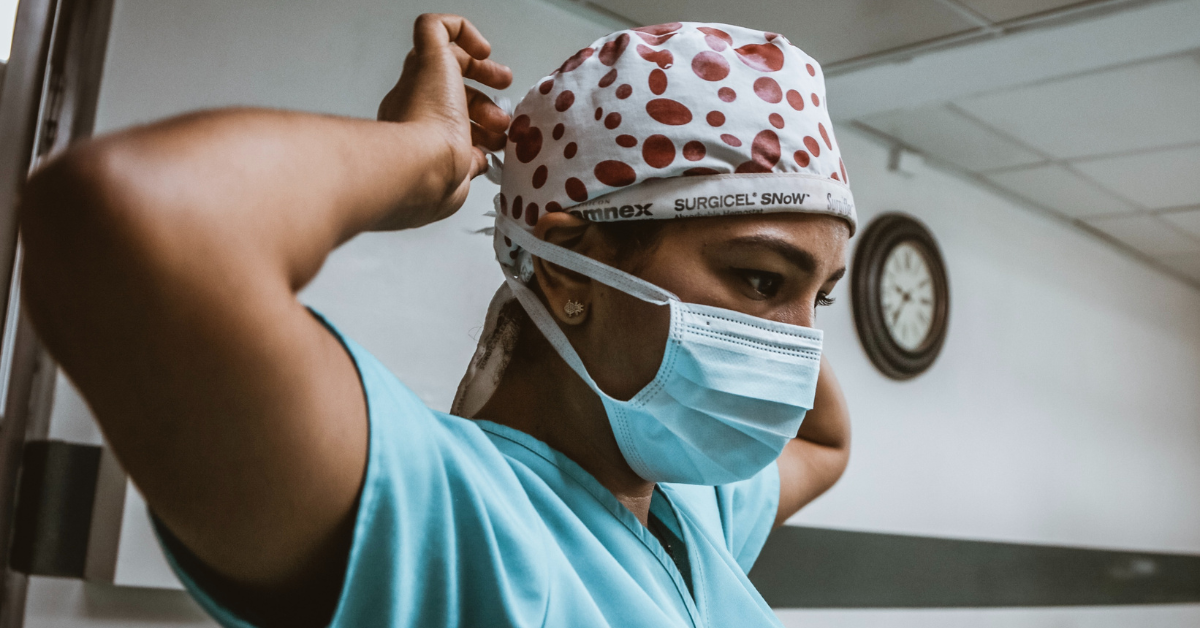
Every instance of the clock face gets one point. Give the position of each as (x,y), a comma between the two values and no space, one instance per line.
(901,295)
(906,294)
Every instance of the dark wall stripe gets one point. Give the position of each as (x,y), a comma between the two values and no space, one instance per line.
(820,568)
(54,508)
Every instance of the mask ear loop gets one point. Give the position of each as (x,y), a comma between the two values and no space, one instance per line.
(549,328)
(584,265)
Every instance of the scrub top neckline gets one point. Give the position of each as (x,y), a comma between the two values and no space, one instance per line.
(601,494)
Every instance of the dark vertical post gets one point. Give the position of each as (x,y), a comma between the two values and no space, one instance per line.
(50,93)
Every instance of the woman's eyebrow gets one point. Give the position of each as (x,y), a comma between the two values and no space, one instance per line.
(797,256)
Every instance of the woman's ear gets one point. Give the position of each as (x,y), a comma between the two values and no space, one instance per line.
(568,293)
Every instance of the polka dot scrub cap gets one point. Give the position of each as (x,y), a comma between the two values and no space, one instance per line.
(673,120)
(666,121)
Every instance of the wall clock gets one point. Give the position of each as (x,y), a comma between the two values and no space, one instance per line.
(900,295)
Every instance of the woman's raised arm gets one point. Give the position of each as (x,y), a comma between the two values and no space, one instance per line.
(161,270)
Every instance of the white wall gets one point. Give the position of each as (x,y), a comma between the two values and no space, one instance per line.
(1063,408)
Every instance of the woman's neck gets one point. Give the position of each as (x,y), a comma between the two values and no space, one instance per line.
(540,395)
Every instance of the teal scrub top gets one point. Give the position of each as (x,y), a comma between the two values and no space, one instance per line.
(471,523)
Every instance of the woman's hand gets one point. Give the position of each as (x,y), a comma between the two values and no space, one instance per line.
(431,96)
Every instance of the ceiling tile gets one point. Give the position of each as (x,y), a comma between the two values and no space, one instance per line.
(829,31)
(944,134)
(1136,107)
(1187,264)
(1188,221)
(1148,234)
(1156,179)
(1057,188)
(1001,10)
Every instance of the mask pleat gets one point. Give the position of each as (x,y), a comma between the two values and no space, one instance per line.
(762,375)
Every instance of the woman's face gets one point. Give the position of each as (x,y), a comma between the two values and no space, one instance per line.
(775,266)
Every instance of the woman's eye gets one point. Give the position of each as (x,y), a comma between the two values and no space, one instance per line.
(824,299)
(765,283)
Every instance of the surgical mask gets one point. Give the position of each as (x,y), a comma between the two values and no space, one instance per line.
(731,391)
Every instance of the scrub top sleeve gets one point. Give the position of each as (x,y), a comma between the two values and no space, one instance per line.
(442,536)
(748,510)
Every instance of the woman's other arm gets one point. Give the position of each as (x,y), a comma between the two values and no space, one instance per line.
(816,458)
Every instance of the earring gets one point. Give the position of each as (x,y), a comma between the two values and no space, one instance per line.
(573,308)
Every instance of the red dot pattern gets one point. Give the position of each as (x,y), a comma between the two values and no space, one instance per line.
(658,82)
(527,138)
(564,101)
(795,99)
(663,58)
(767,89)
(657,34)
(660,29)
(575,61)
(716,38)
(709,66)
(576,190)
(761,57)
(658,151)
(775,130)
(813,147)
(668,111)
(615,173)
(611,51)
(764,153)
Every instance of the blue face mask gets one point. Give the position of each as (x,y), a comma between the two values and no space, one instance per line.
(731,391)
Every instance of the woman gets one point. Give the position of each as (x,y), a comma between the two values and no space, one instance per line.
(632,425)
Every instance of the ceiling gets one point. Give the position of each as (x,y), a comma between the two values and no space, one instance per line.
(1115,150)
(1087,110)
(840,31)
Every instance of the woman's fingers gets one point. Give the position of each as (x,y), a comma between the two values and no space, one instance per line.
(437,30)
(484,112)
(433,29)
(486,71)
(479,163)
(490,140)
